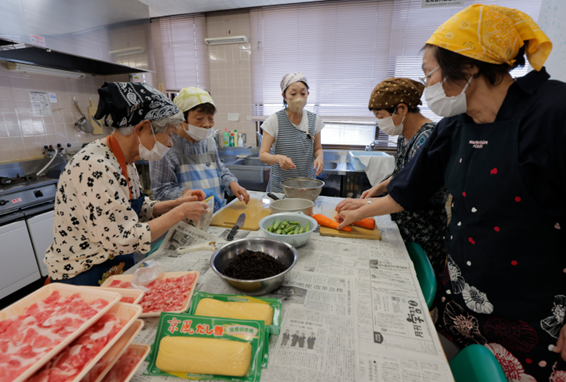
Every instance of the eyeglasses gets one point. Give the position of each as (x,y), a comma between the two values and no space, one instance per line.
(424,80)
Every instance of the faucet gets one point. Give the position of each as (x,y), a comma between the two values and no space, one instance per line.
(259,138)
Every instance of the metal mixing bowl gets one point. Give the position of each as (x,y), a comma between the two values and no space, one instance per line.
(302,188)
(283,252)
(292,205)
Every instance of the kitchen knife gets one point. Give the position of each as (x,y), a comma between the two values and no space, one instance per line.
(272,196)
(239,223)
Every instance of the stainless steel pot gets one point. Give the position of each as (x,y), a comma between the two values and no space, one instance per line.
(292,205)
(283,252)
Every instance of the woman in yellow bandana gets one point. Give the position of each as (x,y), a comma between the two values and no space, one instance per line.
(500,151)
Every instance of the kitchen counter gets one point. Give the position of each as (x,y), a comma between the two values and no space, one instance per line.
(360,299)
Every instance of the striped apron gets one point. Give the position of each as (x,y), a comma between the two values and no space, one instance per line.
(295,144)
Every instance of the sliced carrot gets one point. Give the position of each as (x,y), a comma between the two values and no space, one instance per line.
(327,222)
(368,223)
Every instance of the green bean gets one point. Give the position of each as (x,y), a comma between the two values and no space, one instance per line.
(295,223)
(307,226)
(279,232)
(302,230)
(297,230)
(277,224)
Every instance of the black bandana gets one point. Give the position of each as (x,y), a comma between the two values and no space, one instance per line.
(129,104)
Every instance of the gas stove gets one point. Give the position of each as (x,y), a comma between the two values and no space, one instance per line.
(20,196)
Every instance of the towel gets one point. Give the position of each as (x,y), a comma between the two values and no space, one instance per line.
(377,167)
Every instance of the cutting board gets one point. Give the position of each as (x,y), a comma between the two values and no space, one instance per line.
(255,211)
(329,210)
(95,123)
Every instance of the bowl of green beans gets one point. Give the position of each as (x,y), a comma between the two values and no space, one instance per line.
(294,228)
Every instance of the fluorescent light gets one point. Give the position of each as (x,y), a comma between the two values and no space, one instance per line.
(24,68)
(226,40)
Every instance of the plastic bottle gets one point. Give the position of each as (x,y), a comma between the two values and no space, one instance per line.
(226,137)
(232,140)
(235,138)
(240,141)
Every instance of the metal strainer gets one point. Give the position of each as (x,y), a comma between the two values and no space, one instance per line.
(303,188)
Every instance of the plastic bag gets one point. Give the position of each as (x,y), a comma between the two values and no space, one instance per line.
(148,271)
(206,218)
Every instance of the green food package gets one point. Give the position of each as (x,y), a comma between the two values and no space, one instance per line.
(182,340)
(274,328)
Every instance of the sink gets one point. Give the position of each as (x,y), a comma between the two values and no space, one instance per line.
(249,162)
(252,173)
(330,165)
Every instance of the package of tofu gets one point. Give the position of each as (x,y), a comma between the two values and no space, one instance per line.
(265,309)
(206,218)
(205,348)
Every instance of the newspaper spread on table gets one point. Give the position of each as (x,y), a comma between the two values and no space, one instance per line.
(352,308)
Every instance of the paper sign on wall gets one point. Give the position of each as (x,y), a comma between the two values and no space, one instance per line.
(441,3)
(39,103)
(52,97)
(37,40)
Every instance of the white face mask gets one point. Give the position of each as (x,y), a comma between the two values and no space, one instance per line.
(198,133)
(158,151)
(388,126)
(442,105)
(297,105)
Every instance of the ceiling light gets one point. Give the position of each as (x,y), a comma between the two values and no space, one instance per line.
(226,40)
(24,68)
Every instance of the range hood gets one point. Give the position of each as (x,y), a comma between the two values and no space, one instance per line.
(64,61)
(102,37)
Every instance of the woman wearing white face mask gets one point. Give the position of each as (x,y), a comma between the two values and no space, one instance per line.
(394,102)
(193,163)
(294,134)
(501,154)
(101,214)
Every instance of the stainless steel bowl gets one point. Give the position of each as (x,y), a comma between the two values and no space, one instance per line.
(292,205)
(283,252)
(302,188)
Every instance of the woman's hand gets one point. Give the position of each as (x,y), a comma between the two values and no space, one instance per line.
(345,218)
(192,211)
(350,204)
(240,192)
(318,165)
(372,192)
(200,195)
(285,162)
(561,343)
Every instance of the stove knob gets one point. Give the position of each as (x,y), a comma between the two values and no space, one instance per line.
(3,202)
(38,194)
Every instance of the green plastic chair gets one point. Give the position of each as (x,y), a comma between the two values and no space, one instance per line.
(475,363)
(425,273)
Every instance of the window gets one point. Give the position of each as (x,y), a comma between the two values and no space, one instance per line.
(181,53)
(413,25)
(341,47)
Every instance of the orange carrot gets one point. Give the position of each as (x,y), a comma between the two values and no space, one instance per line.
(368,223)
(327,222)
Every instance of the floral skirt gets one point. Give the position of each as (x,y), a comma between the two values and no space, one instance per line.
(428,229)
(524,349)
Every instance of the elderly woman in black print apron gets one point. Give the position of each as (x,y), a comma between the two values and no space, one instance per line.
(294,134)
(500,152)
(101,213)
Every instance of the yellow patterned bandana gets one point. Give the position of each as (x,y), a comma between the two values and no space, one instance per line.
(493,34)
(191,97)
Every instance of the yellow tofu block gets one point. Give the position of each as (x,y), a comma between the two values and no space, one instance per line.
(204,356)
(239,310)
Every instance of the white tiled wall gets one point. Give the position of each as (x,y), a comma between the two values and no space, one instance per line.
(230,72)
(23,135)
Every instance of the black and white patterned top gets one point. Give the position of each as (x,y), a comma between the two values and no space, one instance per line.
(93,220)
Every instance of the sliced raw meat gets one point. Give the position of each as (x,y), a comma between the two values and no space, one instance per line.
(165,295)
(124,366)
(68,364)
(27,338)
